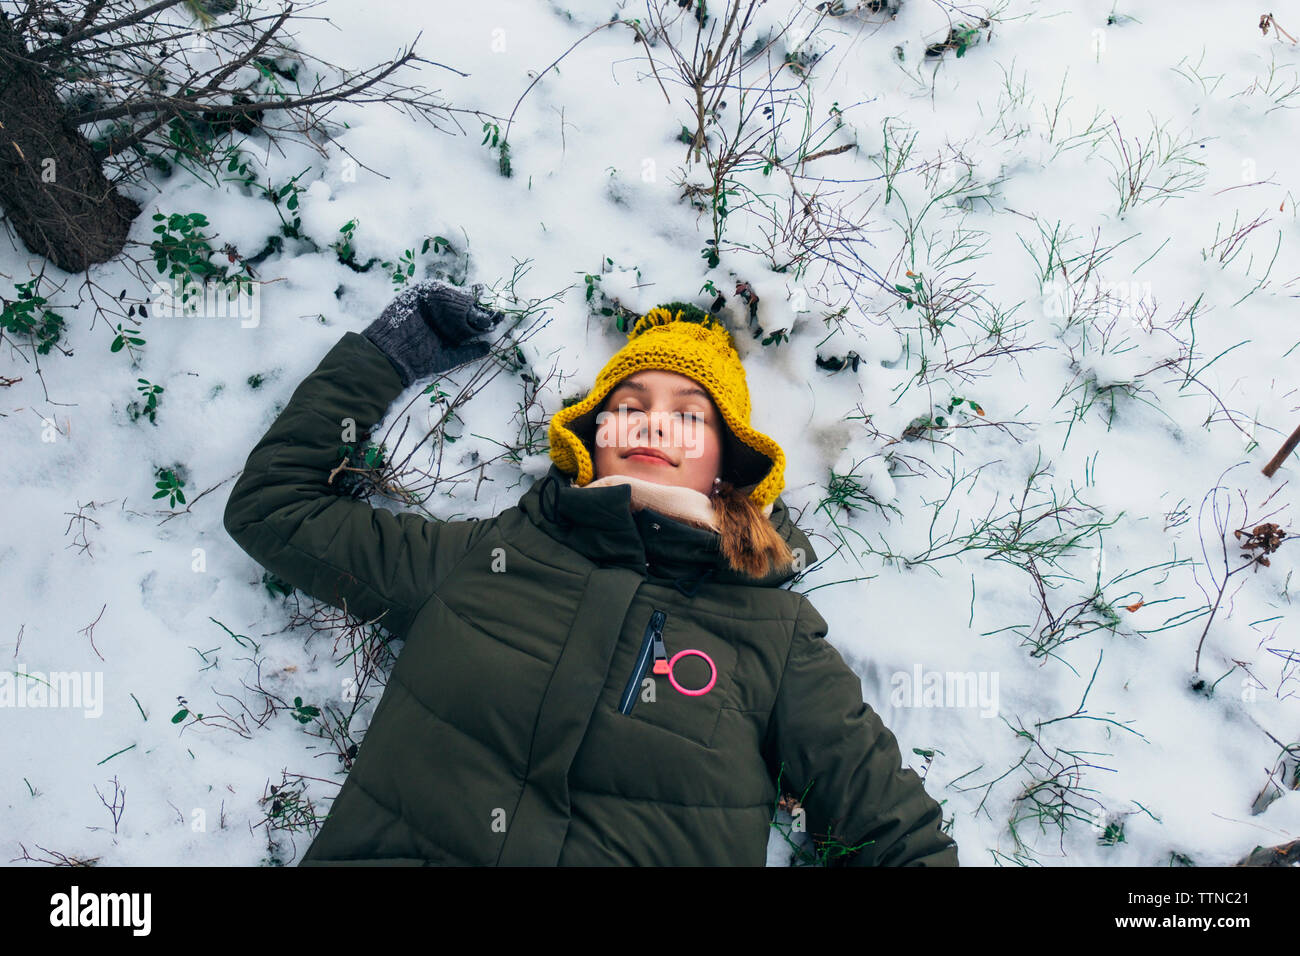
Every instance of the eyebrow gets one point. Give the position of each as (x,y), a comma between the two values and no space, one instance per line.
(683,390)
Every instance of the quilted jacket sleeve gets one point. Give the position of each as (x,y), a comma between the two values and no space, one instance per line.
(289,519)
(825,740)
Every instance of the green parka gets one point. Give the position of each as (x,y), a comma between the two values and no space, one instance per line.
(523,723)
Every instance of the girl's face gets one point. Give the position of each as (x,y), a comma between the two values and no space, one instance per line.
(671,417)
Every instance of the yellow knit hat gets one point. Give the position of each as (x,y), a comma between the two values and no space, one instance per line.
(683,339)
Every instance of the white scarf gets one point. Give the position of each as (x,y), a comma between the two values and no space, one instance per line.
(676,501)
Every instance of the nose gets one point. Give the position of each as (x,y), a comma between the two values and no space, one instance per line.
(658,427)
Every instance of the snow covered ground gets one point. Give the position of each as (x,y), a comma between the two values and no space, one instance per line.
(1099,208)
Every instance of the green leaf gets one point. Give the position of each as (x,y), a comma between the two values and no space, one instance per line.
(180,715)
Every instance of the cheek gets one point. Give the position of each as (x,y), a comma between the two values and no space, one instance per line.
(610,433)
(702,445)
(715,451)
(713,442)
(606,433)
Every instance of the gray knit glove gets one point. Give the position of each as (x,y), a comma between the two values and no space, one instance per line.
(431,328)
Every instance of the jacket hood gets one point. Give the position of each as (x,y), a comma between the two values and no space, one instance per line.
(600,524)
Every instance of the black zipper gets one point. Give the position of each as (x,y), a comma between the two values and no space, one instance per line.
(651,644)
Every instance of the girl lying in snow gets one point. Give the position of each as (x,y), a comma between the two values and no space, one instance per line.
(608,672)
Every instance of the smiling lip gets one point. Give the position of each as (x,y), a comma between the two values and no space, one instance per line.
(648,455)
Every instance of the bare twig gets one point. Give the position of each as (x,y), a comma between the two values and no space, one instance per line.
(1283,454)
(1264,536)
(89,631)
(55,858)
(117,806)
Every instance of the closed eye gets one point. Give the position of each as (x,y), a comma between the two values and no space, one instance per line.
(626,408)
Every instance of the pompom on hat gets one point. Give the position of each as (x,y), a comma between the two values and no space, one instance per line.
(680,338)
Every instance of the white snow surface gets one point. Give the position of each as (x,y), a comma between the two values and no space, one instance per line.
(1105,406)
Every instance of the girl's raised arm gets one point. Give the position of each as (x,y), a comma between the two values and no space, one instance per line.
(288,517)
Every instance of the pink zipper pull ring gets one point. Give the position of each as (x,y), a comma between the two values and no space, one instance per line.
(678,687)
